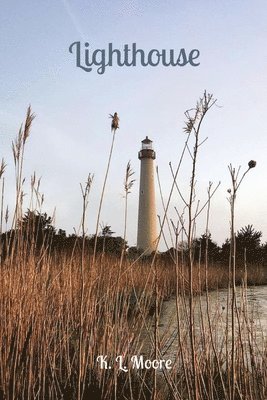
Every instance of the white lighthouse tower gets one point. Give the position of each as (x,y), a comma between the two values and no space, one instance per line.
(147,218)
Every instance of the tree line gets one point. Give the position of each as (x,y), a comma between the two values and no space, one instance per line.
(37,232)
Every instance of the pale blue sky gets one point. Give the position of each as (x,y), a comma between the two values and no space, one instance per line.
(71,132)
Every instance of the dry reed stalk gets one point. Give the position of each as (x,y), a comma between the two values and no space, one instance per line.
(193,124)
(234,310)
(18,148)
(85,199)
(128,184)
(114,127)
(207,296)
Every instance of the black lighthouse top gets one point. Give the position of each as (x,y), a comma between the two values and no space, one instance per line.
(147,150)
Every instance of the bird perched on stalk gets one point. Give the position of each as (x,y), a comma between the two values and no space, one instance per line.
(114,122)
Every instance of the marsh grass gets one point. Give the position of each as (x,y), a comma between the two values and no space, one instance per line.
(60,311)
(41,326)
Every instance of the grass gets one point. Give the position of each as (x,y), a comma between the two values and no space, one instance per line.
(40,329)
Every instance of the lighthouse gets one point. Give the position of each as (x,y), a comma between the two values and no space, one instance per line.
(147,218)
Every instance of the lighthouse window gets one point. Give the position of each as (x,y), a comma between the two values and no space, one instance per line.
(147,146)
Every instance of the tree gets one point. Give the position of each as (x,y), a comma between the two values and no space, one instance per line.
(200,245)
(106,243)
(36,228)
(106,232)
(225,251)
(115,245)
(248,244)
(61,233)
(249,240)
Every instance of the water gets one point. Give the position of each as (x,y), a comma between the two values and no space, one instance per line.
(250,323)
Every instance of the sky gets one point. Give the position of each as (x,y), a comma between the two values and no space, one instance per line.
(71,135)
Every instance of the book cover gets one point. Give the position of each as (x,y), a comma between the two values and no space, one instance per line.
(132,200)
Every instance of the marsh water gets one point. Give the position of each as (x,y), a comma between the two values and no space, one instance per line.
(250,321)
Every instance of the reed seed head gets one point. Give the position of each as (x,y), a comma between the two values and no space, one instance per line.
(2,168)
(6,214)
(252,164)
(114,122)
(128,183)
(28,122)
